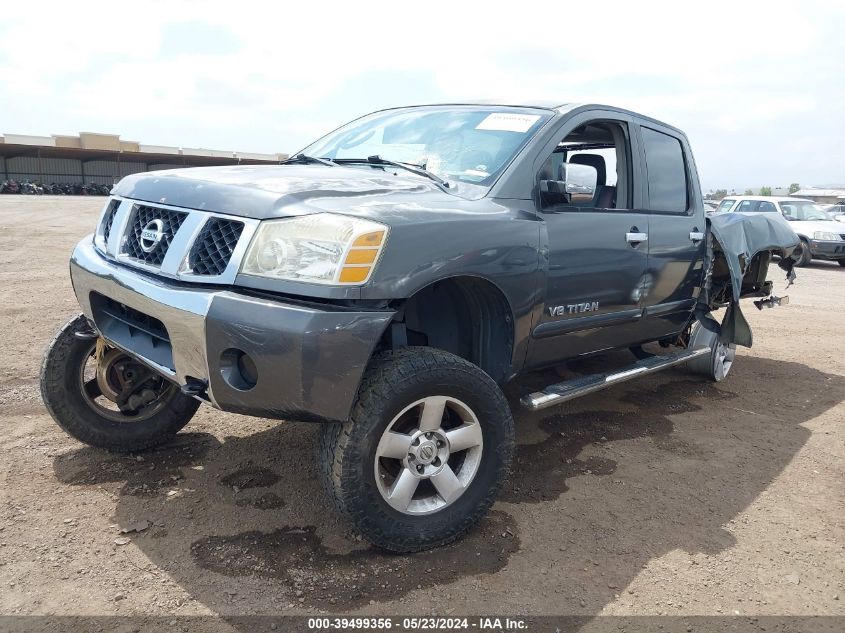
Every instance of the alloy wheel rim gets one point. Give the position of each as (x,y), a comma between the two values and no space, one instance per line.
(428,455)
(723,359)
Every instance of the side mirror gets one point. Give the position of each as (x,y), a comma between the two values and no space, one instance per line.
(553,192)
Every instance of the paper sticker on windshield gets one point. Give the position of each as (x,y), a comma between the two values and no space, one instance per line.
(508,122)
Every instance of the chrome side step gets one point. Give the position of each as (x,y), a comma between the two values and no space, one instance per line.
(570,389)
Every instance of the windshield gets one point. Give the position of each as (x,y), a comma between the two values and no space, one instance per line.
(471,144)
(803,210)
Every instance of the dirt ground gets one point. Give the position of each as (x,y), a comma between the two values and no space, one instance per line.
(667,495)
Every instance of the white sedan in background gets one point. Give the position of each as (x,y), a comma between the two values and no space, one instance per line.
(837,211)
(821,236)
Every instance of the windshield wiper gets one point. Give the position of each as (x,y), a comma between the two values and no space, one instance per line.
(302,158)
(411,167)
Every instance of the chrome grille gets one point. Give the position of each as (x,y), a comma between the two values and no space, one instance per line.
(213,247)
(109,219)
(194,245)
(142,216)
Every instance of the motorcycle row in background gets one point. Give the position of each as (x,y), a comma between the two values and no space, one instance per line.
(28,188)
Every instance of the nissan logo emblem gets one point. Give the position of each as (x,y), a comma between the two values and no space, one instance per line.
(151,235)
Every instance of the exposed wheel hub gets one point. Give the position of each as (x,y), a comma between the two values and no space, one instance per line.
(123,381)
(111,373)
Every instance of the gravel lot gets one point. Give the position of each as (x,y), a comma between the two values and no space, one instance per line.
(663,496)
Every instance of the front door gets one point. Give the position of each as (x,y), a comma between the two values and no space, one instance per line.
(597,245)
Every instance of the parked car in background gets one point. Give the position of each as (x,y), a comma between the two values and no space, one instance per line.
(821,236)
(725,205)
(837,211)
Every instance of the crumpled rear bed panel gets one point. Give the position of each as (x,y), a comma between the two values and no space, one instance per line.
(740,238)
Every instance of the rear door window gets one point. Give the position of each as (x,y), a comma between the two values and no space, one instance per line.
(667,173)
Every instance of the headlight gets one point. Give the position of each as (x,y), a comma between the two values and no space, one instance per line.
(824,235)
(322,248)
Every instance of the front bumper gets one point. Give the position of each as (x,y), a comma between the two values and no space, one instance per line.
(303,363)
(828,249)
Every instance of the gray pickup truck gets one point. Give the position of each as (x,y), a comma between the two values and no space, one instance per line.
(389,279)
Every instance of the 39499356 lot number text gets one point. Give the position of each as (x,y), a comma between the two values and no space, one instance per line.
(416,623)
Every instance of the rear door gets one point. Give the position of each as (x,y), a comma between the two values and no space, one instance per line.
(676,230)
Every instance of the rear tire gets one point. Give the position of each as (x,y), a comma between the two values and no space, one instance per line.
(717,364)
(63,393)
(425,452)
(841,262)
(806,254)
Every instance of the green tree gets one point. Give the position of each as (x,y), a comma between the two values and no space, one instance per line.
(748,192)
(719,194)
(765,191)
(794,187)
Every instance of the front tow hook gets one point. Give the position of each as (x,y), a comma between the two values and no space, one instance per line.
(89,332)
(196,388)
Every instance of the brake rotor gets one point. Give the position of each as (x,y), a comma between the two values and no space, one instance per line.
(109,377)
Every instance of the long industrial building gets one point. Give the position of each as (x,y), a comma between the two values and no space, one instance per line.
(104,158)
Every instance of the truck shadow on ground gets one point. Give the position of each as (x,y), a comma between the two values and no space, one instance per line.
(541,469)
(250,509)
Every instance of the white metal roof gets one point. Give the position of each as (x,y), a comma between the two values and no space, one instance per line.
(811,191)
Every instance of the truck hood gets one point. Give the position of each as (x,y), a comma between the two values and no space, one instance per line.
(273,191)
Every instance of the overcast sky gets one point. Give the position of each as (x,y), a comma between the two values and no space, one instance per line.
(759,87)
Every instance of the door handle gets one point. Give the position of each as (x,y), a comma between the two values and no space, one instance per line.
(696,236)
(635,238)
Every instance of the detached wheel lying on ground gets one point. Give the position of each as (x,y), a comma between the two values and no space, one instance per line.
(717,364)
(105,398)
(425,452)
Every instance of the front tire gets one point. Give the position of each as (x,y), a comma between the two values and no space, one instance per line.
(425,452)
(78,405)
(841,262)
